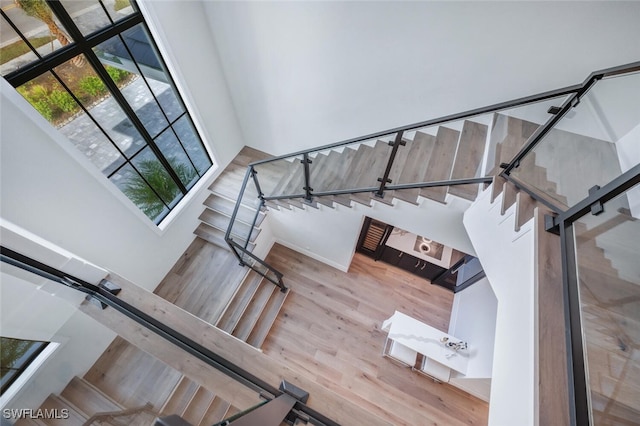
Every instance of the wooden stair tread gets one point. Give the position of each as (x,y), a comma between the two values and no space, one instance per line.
(514,132)
(179,399)
(468,161)
(226,206)
(415,166)
(267,319)
(332,175)
(254,310)
(292,182)
(375,168)
(219,221)
(236,307)
(440,163)
(215,236)
(88,398)
(359,162)
(216,412)
(198,406)
(270,175)
(54,402)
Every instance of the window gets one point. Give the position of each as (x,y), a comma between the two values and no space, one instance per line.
(16,356)
(91,68)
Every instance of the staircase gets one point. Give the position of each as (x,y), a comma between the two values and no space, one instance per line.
(456,150)
(87,405)
(252,310)
(446,154)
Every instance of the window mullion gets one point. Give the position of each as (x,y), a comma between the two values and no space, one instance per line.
(92,58)
(124,104)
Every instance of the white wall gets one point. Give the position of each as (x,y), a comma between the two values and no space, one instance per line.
(54,192)
(473,319)
(628,148)
(304,74)
(330,235)
(187,45)
(508,260)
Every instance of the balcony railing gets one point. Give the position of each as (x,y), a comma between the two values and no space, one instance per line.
(585,138)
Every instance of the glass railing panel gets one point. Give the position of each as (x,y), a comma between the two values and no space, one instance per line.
(281,177)
(258,266)
(98,361)
(511,128)
(242,230)
(609,288)
(589,146)
(354,166)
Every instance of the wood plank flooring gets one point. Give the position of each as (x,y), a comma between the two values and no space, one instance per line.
(329,330)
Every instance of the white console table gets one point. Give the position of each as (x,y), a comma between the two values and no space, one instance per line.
(425,340)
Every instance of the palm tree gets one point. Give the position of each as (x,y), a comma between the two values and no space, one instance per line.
(138,191)
(40,10)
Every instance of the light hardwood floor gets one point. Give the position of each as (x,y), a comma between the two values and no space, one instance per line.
(329,329)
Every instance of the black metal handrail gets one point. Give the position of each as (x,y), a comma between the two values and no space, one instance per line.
(571,102)
(307,193)
(436,121)
(385,182)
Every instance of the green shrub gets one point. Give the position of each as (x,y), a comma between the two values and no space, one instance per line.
(38,92)
(63,100)
(117,74)
(37,96)
(43,107)
(92,85)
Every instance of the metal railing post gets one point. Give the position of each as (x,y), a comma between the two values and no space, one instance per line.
(397,143)
(256,182)
(306,161)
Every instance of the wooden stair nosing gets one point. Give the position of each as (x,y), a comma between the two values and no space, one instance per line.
(238,303)
(268,318)
(198,406)
(253,310)
(88,398)
(215,236)
(221,222)
(226,206)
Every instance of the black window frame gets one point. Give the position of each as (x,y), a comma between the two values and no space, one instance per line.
(81,44)
(33,351)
